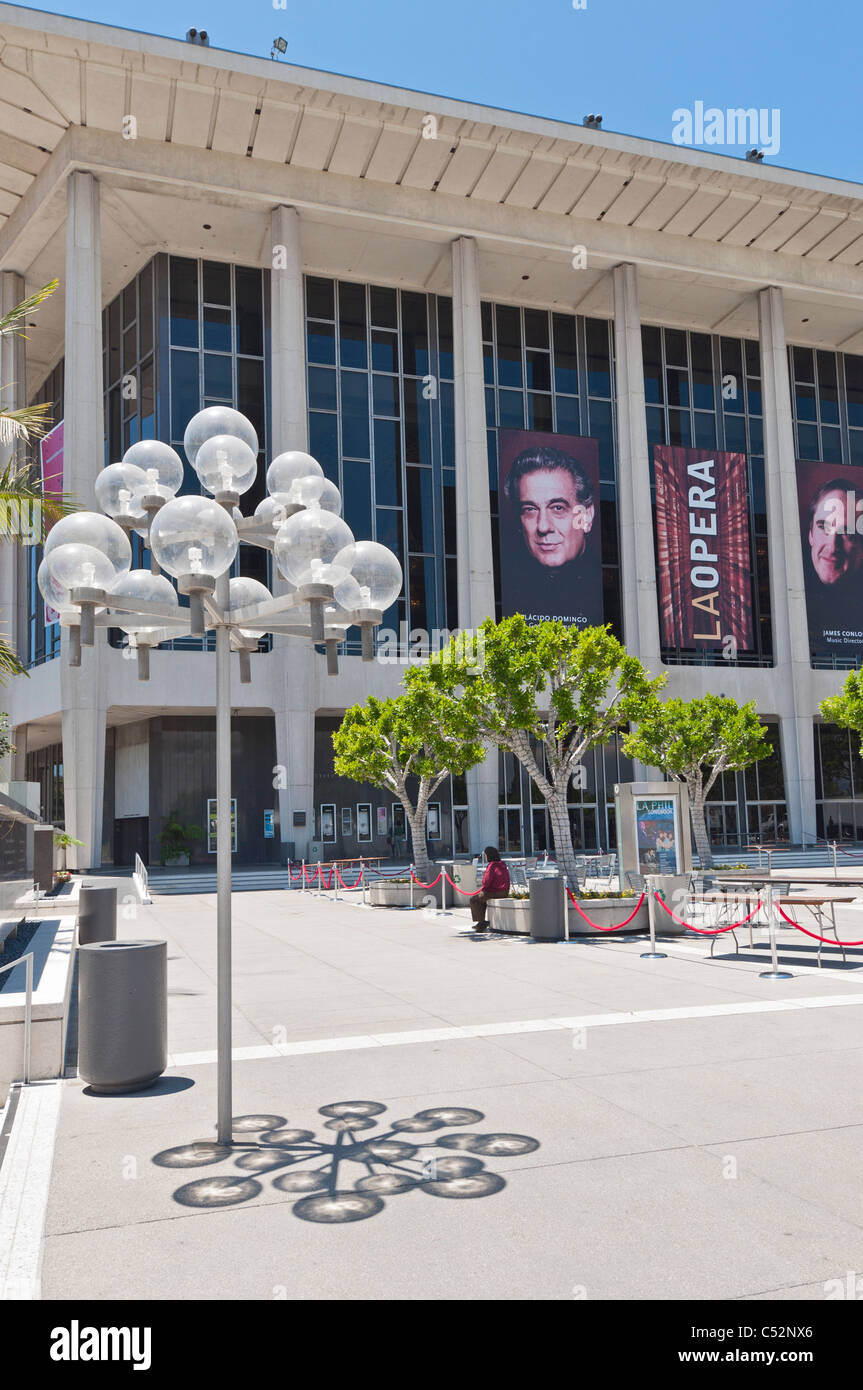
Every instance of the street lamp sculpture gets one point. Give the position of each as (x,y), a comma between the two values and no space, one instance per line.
(332,582)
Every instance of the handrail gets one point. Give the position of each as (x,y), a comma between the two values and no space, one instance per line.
(142,873)
(28,1005)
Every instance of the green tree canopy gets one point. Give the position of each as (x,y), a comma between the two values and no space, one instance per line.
(846,708)
(693,741)
(547,693)
(424,734)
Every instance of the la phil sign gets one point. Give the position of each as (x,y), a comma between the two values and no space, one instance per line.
(702,529)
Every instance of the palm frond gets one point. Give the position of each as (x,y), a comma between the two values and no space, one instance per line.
(30,422)
(13,321)
(21,492)
(9,663)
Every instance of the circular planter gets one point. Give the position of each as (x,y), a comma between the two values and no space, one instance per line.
(509,915)
(122,1014)
(383,894)
(608,912)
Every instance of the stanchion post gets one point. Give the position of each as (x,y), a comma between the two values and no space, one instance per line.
(303,873)
(835,864)
(443,887)
(774,973)
(335,884)
(565,907)
(652,954)
(411,875)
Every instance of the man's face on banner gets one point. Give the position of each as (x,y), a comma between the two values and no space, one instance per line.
(833,542)
(555,524)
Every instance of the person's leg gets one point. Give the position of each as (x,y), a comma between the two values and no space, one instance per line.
(477,909)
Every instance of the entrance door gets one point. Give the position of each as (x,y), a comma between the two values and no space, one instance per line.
(131,837)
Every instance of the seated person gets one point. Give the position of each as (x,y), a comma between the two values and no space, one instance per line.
(495,884)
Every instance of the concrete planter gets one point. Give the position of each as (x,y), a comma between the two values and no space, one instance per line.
(608,912)
(180,861)
(510,915)
(383,894)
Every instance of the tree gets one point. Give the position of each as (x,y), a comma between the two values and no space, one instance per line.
(546,684)
(21,492)
(693,741)
(846,708)
(422,734)
(6,744)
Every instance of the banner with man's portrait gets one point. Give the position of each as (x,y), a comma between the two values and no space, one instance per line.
(704,564)
(830,499)
(550,551)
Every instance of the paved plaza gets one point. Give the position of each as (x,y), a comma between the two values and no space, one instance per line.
(425,1112)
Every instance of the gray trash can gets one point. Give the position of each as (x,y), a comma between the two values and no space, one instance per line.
(122,1014)
(97,914)
(547,917)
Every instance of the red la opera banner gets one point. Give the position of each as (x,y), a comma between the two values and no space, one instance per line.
(702,527)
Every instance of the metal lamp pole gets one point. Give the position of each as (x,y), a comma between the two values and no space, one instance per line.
(224,849)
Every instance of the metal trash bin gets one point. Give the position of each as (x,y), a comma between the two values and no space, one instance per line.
(122,1014)
(97,914)
(547,914)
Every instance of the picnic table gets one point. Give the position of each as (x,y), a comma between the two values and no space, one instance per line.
(822,906)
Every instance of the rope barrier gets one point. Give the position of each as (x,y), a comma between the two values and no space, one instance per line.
(701,931)
(463,891)
(433,883)
(596,925)
(348,886)
(830,940)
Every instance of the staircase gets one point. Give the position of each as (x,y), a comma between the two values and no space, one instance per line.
(265,878)
(820,858)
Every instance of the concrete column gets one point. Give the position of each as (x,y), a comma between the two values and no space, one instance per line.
(785,557)
(634,508)
(288,334)
(295,711)
(84,433)
(83,688)
(13,395)
(473,512)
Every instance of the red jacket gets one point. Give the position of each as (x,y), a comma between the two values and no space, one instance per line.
(496,878)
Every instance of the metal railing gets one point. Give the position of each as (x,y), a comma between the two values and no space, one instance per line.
(142,874)
(27,962)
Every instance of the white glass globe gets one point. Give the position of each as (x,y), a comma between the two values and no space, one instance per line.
(119,488)
(271,512)
(217,419)
(315,491)
(75,566)
(154,588)
(287,468)
(92,529)
(245,592)
(225,463)
(308,544)
(193,535)
(348,596)
(377,572)
(161,465)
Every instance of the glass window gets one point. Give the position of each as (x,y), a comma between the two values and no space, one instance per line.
(421,510)
(384,307)
(385,351)
(508,322)
(216,282)
(388,472)
(598,360)
(249,310)
(218,376)
(320,298)
(565,354)
(385,393)
(184,302)
(322,389)
(355,414)
(321,342)
(185,391)
(415,333)
(357,494)
(352,325)
(444,336)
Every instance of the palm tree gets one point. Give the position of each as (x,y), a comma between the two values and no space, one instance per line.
(21,488)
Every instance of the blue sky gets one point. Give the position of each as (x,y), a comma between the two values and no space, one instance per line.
(634,61)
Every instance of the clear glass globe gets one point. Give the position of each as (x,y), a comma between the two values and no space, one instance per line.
(76,566)
(193,535)
(377,572)
(217,419)
(119,488)
(315,491)
(348,596)
(161,465)
(154,588)
(314,547)
(225,463)
(92,529)
(244,592)
(287,468)
(271,512)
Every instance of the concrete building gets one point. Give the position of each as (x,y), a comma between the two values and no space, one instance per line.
(388,278)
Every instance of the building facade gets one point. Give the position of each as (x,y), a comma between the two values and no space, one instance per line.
(390,280)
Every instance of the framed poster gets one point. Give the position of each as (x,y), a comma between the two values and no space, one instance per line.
(830,500)
(364,821)
(347,821)
(657,834)
(549,527)
(328,823)
(382,820)
(269,825)
(703,549)
(433,820)
(212,825)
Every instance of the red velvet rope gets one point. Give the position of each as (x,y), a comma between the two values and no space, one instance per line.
(433,883)
(596,924)
(830,940)
(348,886)
(701,931)
(463,891)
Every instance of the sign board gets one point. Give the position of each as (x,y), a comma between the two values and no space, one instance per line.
(382,820)
(657,834)
(269,825)
(212,825)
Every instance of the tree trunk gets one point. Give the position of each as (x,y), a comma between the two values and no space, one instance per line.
(699,828)
(561,834)
(417,821)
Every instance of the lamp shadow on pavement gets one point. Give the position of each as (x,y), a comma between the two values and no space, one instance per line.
(318,1171)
